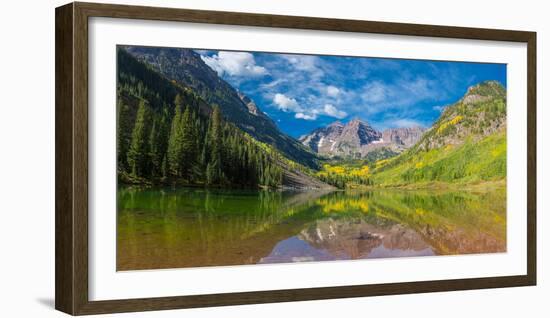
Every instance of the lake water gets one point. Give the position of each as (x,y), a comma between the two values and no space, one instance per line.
(174,228)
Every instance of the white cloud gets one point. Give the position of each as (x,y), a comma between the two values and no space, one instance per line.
(332,91)
(332,111)
(420,86)
(234,64)
(285,103)
(305,63)
(305,116)
(375,92)
(289,104)
(273,83)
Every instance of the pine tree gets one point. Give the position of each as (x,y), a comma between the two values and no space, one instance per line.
(211,173)
(123,134)
(175,150)
(164,131)
(138,151)
(214,169)
(164,168)
(155,148)
(189,146)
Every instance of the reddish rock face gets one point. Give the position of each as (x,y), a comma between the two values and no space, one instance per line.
(359,133)
(358,240)
(357,138)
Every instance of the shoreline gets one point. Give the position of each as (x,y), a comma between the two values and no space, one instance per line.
(434,186)
(437,185)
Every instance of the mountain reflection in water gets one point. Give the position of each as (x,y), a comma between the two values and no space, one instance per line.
(173,228)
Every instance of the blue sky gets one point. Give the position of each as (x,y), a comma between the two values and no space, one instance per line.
(303,92)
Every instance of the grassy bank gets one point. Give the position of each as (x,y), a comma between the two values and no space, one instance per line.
(472,162)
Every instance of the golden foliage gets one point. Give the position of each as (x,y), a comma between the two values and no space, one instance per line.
(449,123)
(362,171)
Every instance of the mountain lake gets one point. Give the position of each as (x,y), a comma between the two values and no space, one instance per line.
(192,227)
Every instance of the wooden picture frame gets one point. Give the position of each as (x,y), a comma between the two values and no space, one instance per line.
(71,89)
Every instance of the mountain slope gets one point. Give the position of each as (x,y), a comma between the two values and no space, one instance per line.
(479,113)
(357,139)
(185,67)
(466,144)
(147,118)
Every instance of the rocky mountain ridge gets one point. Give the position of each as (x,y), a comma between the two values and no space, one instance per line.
(479,113)
(357,138)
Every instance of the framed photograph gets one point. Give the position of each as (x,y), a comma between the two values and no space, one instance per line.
(219,158)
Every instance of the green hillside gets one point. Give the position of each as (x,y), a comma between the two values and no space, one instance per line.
(471,161)
(166,134)
(466,144)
